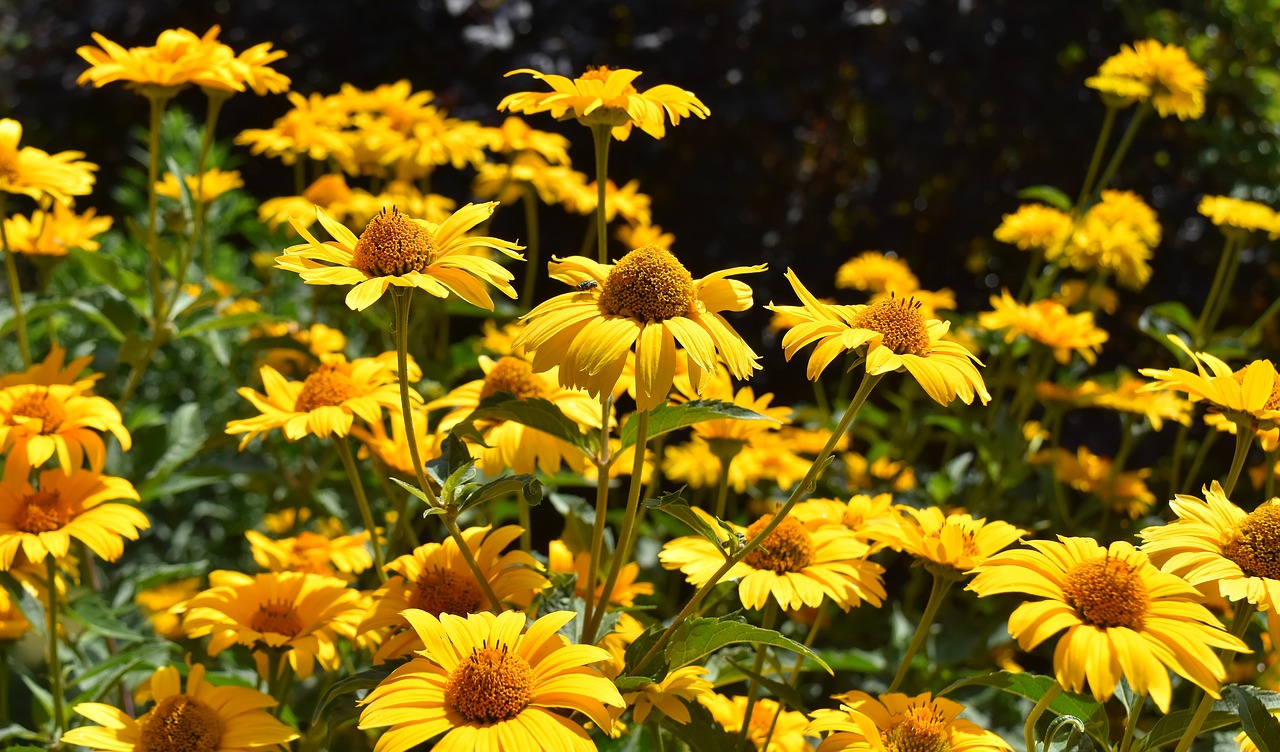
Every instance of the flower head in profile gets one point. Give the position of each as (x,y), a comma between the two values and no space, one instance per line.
(206,187)
(164,604)
(325,404)
(1247,395)
(487,682)
(38,422)
(1035,227)
(298,613)
(767,716)
(178,59)
(895,722)
(36,173)
(1047,322)
(396,250)
(42,519)
(1116,236)
(55,233)
(605,96)
(1217,546)
(341,556)
(649,301)
(671,695)
(1125,492)
(1155,72)
(436,579)
(203,717)
(798,564)
(892,334)
(864,514)
(949,544)
(54,369)
(1123,617)
(876,271)
(1240,215)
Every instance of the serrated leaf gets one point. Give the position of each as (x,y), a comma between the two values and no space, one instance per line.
(656,669)
(1033,687)
(536,413)
(698,638)
(367,679)
(1048,194)
(527,486)
(413,489)
(1262,727)
(668,418)
(92,611)
(675,505)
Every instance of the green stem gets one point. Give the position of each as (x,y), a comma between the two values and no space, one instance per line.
(1063,512)
(936,594)
(55,665)
(603,462)
(15,288)
(1239,625)
(1244,440)
(1034,265)
(1179,449)
(627,535)
(158,102)
(655,729)
(722,488)
(1029,729)
(4,682)
(197,231)
(601,135)
(1131,723)
(795,671)
(1121,149)
(362,501)
(1215,289)
(1099,148)
(1269,486)
(470,559)
(531,251)
(1224,294)
(526,523)
(800,490)
(767,620)
(1210,438)
(400,300)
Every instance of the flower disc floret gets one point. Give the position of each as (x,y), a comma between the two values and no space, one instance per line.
(42,512)
(444,591)
(393,245)
(327,386)
(648,284)
(490,685)
(922,729)
(1107,592)
(899,321)
(181,724)
(42,407)
(1256,548)
(515,377)
(788,548)
(276,616)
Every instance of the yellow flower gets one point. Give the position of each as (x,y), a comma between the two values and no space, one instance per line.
(862,514)
(929,302)
(212,184)
(205,717)
(37,422)
(1151,71)
(788,726)
(1123,617)
(561,559)
(647,300)
(896,722)
(436,579)
(1249,216)
(895,336)
(1047,322)
(54,370)
(882,471)
(397,250)
(164,604)
(1099,296)
(641,234)
(948,544)
(485,685)
(42,519)
(54,233)
(515,136)
(342,556)
(509,444)
(392,450)
(1213,541)
(1127,395)
(177,59)
(627,201)
(670,695)
(798,564)
(1126,492)
(874,271)
(13,624)
(326,404)
(1116,236)
(252,68)
(1035,227)
(1250,394)
(298,613)
(605,96)
(312,128)
(36,173)
(507,182)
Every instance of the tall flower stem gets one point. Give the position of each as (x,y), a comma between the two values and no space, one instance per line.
(531,251)
(1269,485)
(1210,438)
(1216,289)
(362,501)
(55,665)
(767,620)
(1224,292)
(15,288)
(725,451)
(1131,723)
(1244,440)
(603,462)
(196,243)
(1086,189)
(795,670)
(400,299)
(627,535)
(158,101)
(1122,148)
(1239,625)
(1029,729)
(936,595)
(601,135)
(799,491)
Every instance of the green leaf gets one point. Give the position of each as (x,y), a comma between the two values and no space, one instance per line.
(675,505)
(697,638)
(103,677)
(228,321)
(1048,194)
(367,679)
(186,437)
(535,413)
(411,488)
(92,611)
(1170,317)
(528,487)
(702,733)
(783,691)
(453,456)
(656,669)
(98,317)
(668,418)
(1067,733)
(1033,687)
(1171,727)
(16,731)
(1262,727)
(106,268)
(159,574)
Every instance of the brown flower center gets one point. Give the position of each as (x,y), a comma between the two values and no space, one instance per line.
(442,591)
(1107,592)
(327,190)
(491,685)
(648,284)
(180,723)
(514,376)
(393,245)
(789,548)
(1254,547)
(327,386)
(899,320)
(49,410)
(922,729)
(1273,402)
(276,616)
(42,512)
